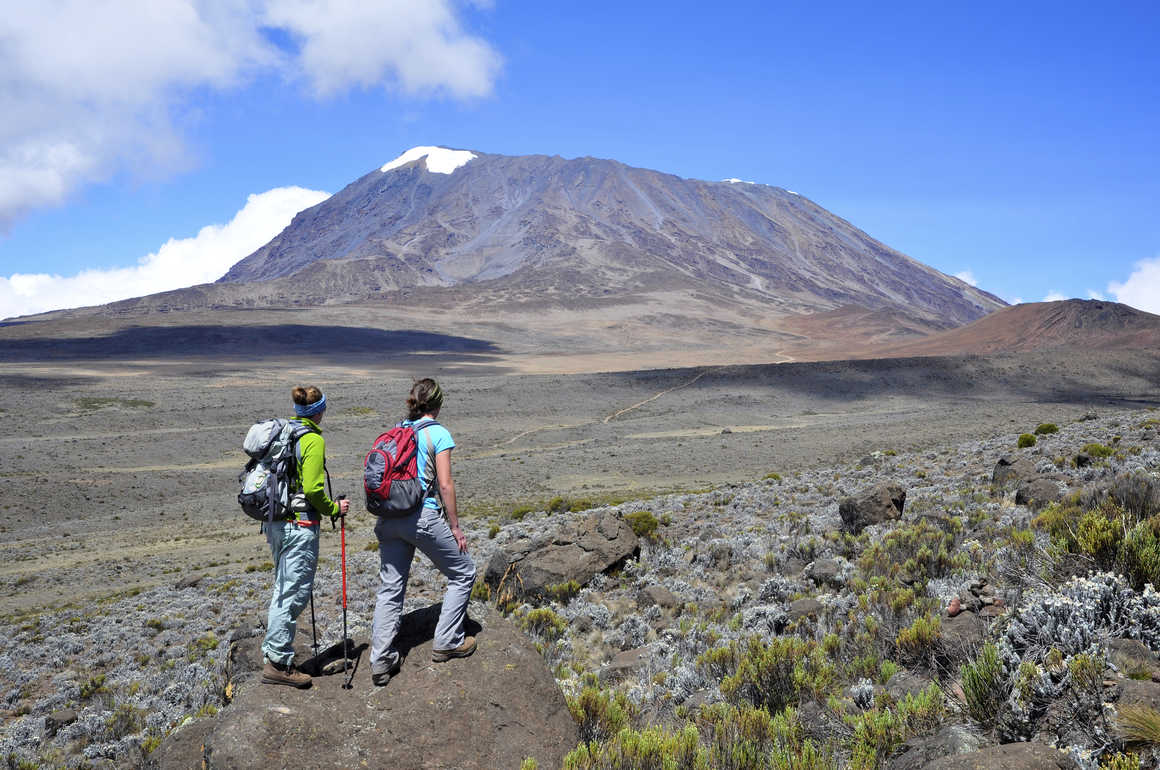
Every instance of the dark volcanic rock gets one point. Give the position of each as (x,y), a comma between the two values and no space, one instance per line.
(950,741)
(1037,493)
(1010,756)
(493,709)
(881,503)
(579,552)
(1010,468)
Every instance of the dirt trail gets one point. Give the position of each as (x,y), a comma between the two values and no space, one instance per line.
(627,409)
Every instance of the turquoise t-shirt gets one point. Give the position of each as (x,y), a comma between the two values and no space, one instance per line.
(440,440)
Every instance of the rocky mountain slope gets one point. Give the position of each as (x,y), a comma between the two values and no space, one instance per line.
(596,228)
(582,257)
(942,604)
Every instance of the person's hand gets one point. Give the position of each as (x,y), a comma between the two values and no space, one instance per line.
(343,506)
(460,538)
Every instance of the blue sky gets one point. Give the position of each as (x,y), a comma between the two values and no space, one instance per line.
(1011,143)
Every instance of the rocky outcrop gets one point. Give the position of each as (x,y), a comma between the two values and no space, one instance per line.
(534,569)
(493,709)
(878,504)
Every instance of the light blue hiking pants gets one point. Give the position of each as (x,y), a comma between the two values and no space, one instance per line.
(398,539)
(294,549)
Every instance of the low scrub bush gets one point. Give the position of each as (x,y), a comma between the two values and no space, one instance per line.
(985,686)
(1026,440)
(600,714)
(1097,450)
(880,730)
(643,523)
(772,674)
(1108,534)
(544,622)
(1044,428)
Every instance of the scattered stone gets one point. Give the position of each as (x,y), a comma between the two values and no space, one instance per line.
(189,581)
(1010,468)
(955,607)
(624,664)
(905,683)
(826,572)
(1083,460)
(1009,756)
(804,608)
(657,595)
(1038,493)
(880,503)
(950,741)
(58,719)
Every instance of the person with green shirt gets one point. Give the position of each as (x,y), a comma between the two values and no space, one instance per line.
(294,542)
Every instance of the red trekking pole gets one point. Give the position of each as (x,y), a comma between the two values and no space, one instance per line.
(345,655)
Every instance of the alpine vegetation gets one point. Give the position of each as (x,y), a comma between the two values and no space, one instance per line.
(980,599)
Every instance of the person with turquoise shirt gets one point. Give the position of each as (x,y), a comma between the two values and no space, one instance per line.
(433,529)
(293,542)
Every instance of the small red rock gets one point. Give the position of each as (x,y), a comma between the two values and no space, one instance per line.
(955,607)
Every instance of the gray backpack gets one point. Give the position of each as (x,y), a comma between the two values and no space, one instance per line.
(273,449)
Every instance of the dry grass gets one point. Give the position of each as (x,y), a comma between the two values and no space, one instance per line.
(1139,724)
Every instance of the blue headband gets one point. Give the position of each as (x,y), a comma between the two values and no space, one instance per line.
(310,410)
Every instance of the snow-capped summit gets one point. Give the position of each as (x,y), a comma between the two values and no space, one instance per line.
(440,160)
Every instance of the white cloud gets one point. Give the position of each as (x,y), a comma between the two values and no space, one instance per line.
(1093,294)
(1054,296)
(416,45)
(1141,290)
(967,277)
(178,263)
(88,89)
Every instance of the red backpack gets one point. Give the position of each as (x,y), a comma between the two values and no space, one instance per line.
(391,472)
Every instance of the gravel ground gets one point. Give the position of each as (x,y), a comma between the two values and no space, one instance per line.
(120,486)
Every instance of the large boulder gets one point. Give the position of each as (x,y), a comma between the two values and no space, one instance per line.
(493,709)
(1011,469)
(533,569)
(880,503)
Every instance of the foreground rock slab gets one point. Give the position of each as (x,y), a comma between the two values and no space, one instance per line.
(493,709)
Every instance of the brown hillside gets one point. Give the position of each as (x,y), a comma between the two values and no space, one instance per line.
(1039,326)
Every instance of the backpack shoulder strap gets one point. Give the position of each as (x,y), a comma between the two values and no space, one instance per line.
(422,425)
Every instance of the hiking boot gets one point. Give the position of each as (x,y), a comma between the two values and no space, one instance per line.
(381,674)
(276,673)
(462,651)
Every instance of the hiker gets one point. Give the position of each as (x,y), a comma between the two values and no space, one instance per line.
(434,529)
(293,540)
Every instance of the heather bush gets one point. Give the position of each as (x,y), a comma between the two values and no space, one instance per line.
(1026,440)
(772,674)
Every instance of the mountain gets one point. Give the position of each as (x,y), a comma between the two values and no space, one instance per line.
(1073,324)
(546,258)
(544,226)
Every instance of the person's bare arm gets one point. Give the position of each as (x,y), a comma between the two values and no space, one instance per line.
(447,494)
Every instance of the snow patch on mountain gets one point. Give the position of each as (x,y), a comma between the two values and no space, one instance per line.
(440,160)
(735,180)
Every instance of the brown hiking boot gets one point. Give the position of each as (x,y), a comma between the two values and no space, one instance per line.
(276,673)
(462,651)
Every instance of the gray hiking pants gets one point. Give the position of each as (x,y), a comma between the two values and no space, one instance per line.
(398,539)
(294,549)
